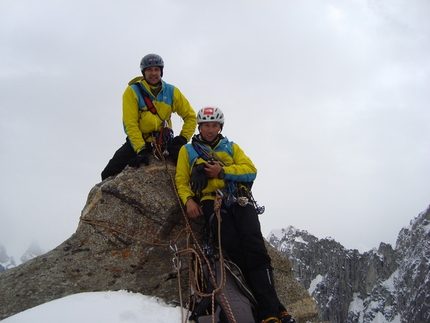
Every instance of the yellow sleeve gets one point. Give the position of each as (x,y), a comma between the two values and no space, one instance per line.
(130,119)
(183,175)
(242,168)
(183,108)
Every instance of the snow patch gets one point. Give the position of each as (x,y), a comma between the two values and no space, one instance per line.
(314,283)
(106,307)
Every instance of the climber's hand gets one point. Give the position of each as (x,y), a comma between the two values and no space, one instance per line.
(141,158)
(199,181)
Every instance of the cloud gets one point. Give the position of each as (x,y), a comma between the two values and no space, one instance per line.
(329,99)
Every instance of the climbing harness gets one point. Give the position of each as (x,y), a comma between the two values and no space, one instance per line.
(161,140)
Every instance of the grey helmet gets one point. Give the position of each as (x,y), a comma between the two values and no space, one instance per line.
(210,114)
(151,60)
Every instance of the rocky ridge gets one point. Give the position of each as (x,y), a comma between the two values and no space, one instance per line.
(381,285)
(124,242)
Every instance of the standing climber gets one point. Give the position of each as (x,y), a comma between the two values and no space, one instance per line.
(212,163)
(147,106)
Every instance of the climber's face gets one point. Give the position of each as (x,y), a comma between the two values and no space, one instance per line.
(153,75)
(209,130)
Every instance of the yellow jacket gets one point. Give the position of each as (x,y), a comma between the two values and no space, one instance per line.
(139,122)
(238,168)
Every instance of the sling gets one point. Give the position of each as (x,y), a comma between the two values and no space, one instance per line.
(147,99)
(165,135)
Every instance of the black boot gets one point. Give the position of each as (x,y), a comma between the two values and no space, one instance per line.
(263,287)
(285,317)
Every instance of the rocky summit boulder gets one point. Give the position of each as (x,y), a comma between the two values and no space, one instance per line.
(128,232)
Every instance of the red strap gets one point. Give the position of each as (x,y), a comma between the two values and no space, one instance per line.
(149,104)
(147,99)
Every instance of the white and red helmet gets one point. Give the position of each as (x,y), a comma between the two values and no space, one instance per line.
(210,114)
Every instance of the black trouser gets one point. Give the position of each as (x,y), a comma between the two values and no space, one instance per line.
(119,160)
(125,153)
(243,242)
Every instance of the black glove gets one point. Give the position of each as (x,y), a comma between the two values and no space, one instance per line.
(179,141)
(173,149)
(141,158)
(199,181)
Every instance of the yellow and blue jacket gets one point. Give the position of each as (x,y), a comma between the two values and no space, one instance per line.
(238,168)
(139,123)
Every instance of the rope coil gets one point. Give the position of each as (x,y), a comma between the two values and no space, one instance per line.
(194,254)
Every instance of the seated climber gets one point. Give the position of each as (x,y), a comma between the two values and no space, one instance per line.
(147,106)
(210,164)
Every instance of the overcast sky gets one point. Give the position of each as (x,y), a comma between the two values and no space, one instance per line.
(330,99)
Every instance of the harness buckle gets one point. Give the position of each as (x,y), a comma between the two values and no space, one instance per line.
(242,201)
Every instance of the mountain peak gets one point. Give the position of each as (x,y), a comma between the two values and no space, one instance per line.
(381,284)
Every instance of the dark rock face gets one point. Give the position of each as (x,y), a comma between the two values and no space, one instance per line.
(383,284)
(413,279)
(123,242)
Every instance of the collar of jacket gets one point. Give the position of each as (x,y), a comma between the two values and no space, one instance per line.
(199,139)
